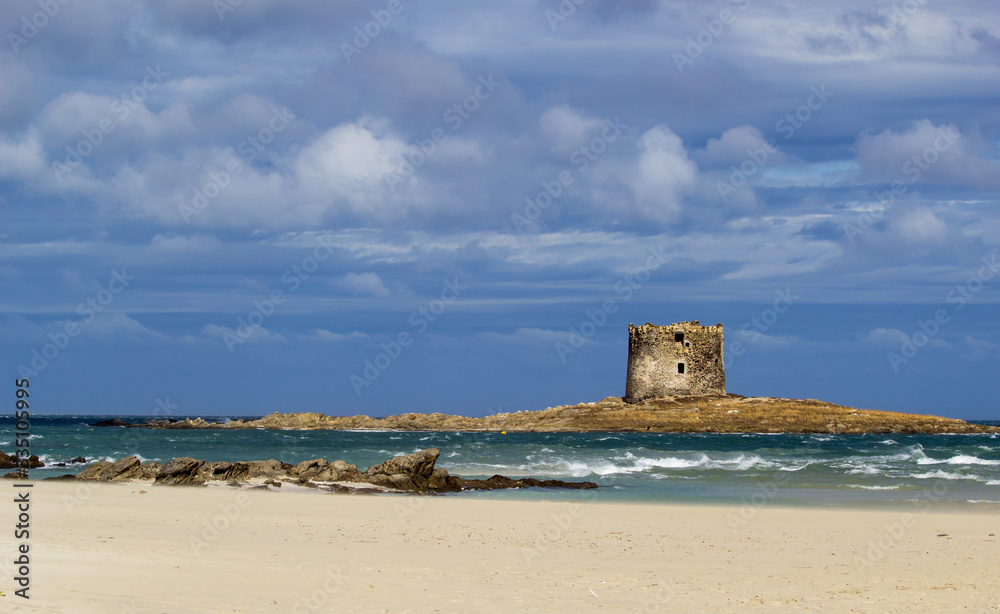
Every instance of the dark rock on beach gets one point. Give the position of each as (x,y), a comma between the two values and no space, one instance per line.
(7,462)
(10,462)
(269,469)
(409,473)
(416,472)
(93,471)
(122,470)
(499,481)
(228,472)
(183,471)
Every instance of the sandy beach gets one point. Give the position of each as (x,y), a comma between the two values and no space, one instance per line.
(134,548)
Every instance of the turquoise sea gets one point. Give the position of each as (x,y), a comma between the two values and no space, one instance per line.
(822,470)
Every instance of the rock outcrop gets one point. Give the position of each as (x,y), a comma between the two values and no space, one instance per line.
(122,470)
(409,473)
(10,462)
(727,413)
(183,471)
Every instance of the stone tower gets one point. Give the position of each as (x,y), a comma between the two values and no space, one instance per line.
(681,358)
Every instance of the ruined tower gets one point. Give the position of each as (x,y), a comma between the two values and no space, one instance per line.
(681,358)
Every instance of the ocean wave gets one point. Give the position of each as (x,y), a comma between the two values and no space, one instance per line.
(945,475)
(50,459)
(960,459)
(914,452)
(965,459)
(624,465)
(864,470)
(864,487)
(742,462)
(889,442)
(794,468)
(993,482)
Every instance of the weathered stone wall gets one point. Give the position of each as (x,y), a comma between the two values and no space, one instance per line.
(654,353)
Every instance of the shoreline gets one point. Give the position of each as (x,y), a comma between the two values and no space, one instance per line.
(103,545)
(597,497)
(557,495)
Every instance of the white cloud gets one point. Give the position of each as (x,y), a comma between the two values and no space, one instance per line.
(663,173)
(326,336)
(259,334)
(111,324)
(918,226)
(566,128)
(894,339)
(735,145)
(926,152)
(344,167)
(184,244)
(361,283)
(22,159)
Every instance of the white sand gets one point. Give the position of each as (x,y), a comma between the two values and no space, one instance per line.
(117,551)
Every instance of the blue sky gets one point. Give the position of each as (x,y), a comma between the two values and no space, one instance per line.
(222,208)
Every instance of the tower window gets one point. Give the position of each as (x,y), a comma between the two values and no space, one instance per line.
(680,367)
(679,337)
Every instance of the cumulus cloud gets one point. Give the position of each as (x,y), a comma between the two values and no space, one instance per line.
(928,153)
(736,145)
(663,173)
(344,167)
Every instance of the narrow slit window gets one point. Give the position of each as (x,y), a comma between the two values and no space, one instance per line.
(680,367)
(679,337)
